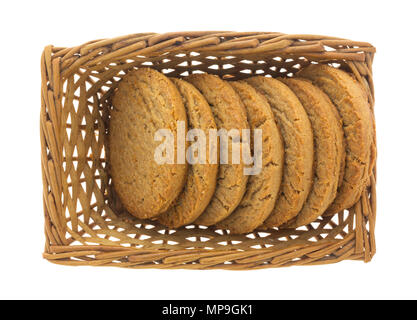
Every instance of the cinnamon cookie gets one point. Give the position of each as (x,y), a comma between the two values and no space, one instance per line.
(298,145)
(201,177)
(229,113)
(329,149)
(262,188)
(348,97)
(144,102)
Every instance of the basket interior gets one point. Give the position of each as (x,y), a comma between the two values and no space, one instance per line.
(91,213)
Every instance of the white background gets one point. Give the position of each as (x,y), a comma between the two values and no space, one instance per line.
(27,27)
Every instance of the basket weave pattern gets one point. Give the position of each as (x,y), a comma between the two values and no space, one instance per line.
(85,223)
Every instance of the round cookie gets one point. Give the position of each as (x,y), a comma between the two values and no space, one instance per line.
(201,177)
(373,151)
(329,150)
(298,145)
(144,102)
(348,97)
(229,113)
(262,188)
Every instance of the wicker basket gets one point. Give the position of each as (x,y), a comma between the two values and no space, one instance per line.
(85,223)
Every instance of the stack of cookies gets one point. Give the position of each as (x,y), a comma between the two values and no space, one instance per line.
(317,148)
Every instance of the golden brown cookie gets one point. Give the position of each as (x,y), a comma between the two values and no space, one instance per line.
(329,149)
(262,188)
(373,151)
(298,145)
(229,113)
(348,97)
(201,177)
(144,102)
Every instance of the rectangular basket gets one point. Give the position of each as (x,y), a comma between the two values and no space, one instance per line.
(85,224)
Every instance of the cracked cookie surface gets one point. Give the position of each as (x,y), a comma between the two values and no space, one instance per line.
(229,113)
(297,136)
(329,150)
(262,189)
(201,177)
(349,98)
(144,102)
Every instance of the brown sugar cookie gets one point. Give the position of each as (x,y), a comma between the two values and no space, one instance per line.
(348,97)
(201,177)
(373,151)
(298,145)
(329,151)
(262,188)
(229,113)
(144,102)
